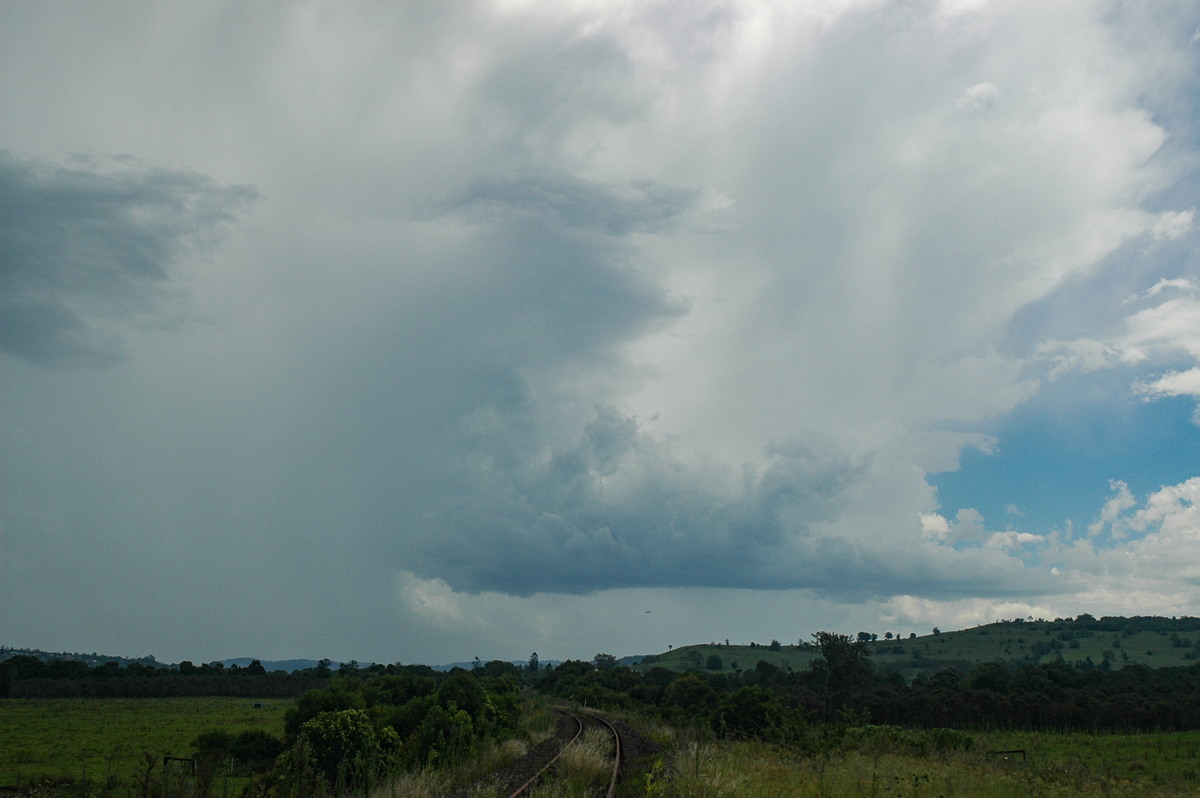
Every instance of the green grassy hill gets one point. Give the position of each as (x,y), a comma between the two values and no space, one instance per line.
(1110,643)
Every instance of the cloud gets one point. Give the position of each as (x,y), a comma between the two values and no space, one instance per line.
(623,508)
(1174,383)
(1113,508)
(1181,283)
(1155,545)
(1166,332)
(1138,557)
(963,613)
(543,311)
(92,241)
(1174,224)
(561,199)
(979,97)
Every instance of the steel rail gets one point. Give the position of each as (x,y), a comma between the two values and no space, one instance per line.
(533,779)
(616,771)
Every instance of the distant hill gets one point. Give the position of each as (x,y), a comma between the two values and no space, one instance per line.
(94,659)
(1085,642)
(520,663)
(269,665)
(91,660)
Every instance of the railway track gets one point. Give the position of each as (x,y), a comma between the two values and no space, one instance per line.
(527,787)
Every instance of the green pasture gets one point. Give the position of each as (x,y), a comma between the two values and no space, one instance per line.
(1012,643)
(1142,765)
(106,740)
(1156,758)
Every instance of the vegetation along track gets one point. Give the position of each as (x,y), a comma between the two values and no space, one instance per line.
(616,770)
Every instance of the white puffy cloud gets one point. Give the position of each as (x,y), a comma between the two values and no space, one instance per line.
(1139,558)
(922,614)
(1174,224)
(1165,332)
(1159,550)
(1120,502)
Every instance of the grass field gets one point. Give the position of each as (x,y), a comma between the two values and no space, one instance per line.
(1155,765)
(107,740)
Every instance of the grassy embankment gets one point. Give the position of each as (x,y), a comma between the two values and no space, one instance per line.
(107,740)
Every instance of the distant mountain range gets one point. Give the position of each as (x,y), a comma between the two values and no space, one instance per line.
(288,665)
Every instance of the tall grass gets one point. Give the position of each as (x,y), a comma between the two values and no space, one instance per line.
(583,769)
(698,769)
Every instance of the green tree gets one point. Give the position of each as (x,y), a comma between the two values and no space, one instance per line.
(749,712)
(463,691)
(255,748)
(690,692)
(340,695)
(212,746)
(947,678)
(845,663)
(604,662)
(26,666)
(340,752)
(443,735)
(74,669)
(990,676)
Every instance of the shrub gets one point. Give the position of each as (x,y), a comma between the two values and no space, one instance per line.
(950,740)
(338,750)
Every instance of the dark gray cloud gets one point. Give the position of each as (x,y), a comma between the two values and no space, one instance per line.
(621,509)
(92,240)
(563,199)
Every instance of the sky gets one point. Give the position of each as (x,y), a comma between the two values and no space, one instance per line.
(421,331)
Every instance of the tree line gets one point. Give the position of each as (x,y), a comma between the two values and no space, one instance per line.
(843,686)
(28,676)
(348,736)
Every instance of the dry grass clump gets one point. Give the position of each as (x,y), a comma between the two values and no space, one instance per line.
(583,769)
(422,784)
(474,770)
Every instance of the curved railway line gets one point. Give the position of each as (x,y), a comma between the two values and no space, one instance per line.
(525,788)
